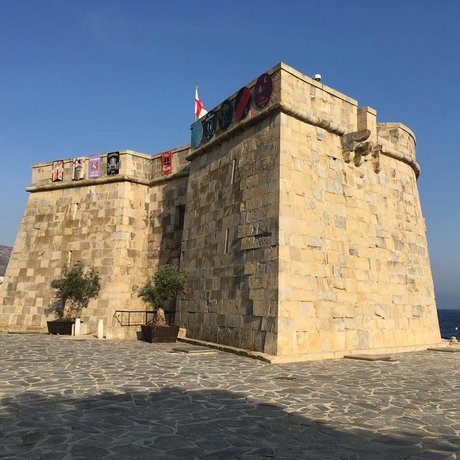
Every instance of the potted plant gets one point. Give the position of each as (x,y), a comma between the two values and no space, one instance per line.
(164,286)
(73,290)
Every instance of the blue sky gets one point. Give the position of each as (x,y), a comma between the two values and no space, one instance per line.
(80,77)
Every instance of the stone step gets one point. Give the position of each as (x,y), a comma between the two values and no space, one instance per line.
(123,332)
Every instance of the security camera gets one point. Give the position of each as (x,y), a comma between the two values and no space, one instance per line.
(317,77)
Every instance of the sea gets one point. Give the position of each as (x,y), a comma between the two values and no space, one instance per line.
(449,323)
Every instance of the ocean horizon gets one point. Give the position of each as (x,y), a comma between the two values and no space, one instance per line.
(449,322)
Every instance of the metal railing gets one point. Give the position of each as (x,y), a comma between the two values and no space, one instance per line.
(132,317)
(139,317)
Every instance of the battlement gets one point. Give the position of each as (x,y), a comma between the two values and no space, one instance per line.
(293,93)
(134,167)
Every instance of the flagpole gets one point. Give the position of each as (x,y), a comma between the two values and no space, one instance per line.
(196,92)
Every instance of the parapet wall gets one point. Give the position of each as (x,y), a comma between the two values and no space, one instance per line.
(315,103)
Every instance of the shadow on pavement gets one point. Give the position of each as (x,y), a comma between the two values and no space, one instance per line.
(172,423)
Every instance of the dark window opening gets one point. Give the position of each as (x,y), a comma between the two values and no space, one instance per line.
(180,217)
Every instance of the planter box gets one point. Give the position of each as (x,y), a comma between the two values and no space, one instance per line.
(60,327)
(153,334)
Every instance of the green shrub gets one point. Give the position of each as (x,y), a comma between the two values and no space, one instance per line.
(75,289)
(165,285)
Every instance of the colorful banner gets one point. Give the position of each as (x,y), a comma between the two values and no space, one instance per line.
(166,163)
(263,90)
(197,134)
(94,166)
(242,103)
(57,173)
(225,114)
(209,124)
(113,163)
(78,172)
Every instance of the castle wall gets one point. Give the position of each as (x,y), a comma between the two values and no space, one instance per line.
(104,222)
(229,244)
(299,226)
(354,267)
(230,240)
(346,247)
(166,218)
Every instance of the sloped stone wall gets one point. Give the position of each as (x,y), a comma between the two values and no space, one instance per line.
(354,265)
(230,238)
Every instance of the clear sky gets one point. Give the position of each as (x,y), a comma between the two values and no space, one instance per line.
(87,76)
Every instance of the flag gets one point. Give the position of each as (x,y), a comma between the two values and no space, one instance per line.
(200,111)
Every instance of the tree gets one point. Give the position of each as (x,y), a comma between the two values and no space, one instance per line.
(165,285)
(75,289)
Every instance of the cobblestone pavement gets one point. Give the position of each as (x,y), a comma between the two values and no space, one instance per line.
(64,398)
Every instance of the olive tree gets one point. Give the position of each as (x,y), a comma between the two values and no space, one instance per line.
(164,286)
(75,289)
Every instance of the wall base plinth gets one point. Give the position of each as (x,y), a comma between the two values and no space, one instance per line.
(284,359)
(24,329)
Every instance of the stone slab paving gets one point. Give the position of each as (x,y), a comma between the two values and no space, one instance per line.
(62,398)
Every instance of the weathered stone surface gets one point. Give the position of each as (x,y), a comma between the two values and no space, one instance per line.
(343,245)
(103,222)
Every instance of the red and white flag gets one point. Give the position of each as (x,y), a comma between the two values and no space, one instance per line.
(200,111)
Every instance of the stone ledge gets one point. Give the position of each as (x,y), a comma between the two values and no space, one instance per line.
(392,153)
(23,329)
(284,359)
(107,180)
(446,349)
(372,358)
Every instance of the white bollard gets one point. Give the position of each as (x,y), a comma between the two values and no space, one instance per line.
(100,329)
(77,327)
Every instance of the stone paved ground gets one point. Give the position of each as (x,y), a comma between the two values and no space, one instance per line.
(63,398)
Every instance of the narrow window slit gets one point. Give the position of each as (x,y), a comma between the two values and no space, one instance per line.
(227,241)
(234,166)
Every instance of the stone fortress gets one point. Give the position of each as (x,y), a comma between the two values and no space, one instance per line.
(294,213)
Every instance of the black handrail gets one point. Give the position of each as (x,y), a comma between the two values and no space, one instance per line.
(119,315)
(121,319)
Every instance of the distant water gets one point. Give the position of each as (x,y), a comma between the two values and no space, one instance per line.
(449,322)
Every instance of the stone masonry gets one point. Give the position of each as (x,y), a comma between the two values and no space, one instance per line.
(298,223)
(103,222)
